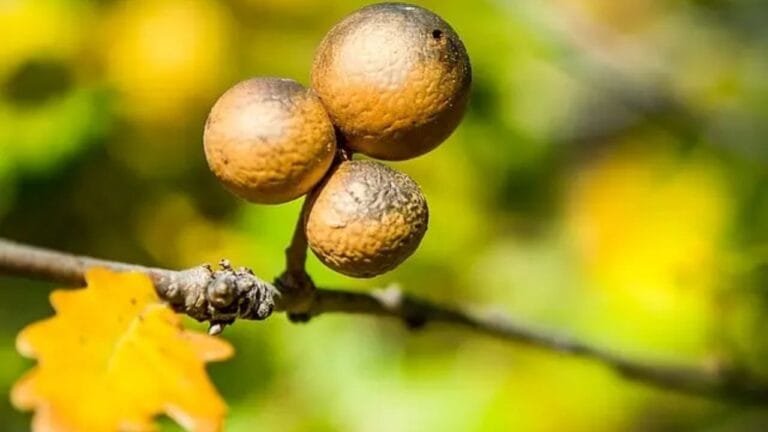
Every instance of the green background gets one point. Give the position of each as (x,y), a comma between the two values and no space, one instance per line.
(608,182)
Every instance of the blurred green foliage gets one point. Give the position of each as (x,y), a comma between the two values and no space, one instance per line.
(609,182)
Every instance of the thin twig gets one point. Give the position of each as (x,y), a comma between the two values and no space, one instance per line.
(295,284)
(221,296)
(719,383)
(296,252)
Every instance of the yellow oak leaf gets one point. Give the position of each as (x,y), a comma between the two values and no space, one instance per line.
(113,357)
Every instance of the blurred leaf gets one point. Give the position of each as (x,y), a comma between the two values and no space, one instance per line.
(40,28)
(167,56)
(114,357)
(40,138)
(649,226)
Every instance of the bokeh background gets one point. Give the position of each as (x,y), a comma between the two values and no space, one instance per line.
(609,182)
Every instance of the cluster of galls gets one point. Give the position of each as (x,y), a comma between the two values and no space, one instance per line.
(390,81)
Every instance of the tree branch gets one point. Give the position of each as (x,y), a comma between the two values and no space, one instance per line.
(296,252)
(217,296)
(295,284)
(223,295)
(713,382)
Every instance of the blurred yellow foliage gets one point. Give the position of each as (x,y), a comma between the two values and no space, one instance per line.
(648,226)
(165,55)
(113,357)
(173,231)
(39,28)
(518,403)
(621,16)
(648,223)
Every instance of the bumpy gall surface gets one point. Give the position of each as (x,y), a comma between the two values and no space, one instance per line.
(394,78)
(366,219)
(269,140)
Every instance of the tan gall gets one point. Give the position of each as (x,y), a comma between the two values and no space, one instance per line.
(269,140)
(366,219)
(394,78)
